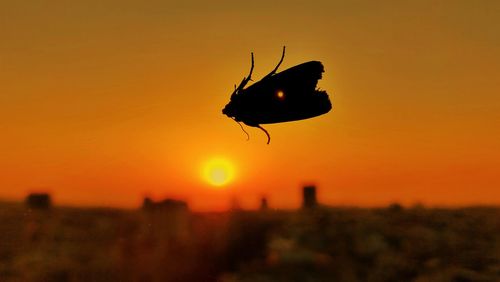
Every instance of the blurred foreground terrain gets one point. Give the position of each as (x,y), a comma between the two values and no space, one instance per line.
(316,244)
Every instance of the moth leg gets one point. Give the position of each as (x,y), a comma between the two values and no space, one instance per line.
(279,63)
(248,136)
(265,131)
(245,80)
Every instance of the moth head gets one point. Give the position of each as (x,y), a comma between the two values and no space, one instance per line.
(233,109)
(229,110)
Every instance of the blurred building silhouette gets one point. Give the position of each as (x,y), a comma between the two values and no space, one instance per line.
(38,201)
(164,205)
(309,197)
(395,207)
(263,204)
(168,219)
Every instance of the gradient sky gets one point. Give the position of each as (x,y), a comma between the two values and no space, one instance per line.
(103,102)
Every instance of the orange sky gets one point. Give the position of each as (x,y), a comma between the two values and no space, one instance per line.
(103,103)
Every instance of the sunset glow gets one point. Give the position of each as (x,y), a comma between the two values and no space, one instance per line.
(103,102)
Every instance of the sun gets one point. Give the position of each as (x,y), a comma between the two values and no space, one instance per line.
(218,172)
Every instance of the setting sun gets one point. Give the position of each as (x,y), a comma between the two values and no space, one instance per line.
(218,172)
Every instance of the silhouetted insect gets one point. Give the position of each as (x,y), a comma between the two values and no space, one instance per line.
(279,97)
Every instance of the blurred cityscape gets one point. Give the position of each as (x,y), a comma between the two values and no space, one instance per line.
(165,241)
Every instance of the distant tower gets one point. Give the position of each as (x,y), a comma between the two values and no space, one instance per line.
(147,203)
(309,197)
(263,204)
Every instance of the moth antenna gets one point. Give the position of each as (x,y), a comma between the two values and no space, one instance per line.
(265,131)
(241,126)
(279,63)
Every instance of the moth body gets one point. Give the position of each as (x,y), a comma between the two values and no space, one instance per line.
(289,95)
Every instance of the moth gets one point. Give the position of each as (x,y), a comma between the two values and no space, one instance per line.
(289,95)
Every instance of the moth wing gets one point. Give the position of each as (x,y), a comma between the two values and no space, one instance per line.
(286,96)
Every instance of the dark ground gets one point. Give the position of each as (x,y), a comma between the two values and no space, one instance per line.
(324,244)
